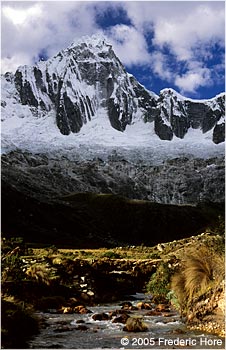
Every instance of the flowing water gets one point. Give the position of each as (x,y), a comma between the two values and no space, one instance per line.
(164,332)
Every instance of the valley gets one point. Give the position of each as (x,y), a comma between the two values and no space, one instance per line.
(108,190)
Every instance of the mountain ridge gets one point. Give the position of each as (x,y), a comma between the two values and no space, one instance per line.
(87,79)
(79,123)
(126,136)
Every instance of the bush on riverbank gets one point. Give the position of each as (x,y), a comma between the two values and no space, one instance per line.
(159,283)
(199,288)
(201,269)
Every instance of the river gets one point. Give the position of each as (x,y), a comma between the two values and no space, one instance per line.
(165,331)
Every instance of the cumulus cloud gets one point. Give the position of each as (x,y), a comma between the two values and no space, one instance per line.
(54,25)
(129,44)
(157,32)
(20,16)
(189,31)
(203,24)
(31,27)
(193,79)
(160,66)
(10,64)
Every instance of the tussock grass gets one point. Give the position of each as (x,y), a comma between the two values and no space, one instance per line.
(201,269)
(40,273)
(198,272)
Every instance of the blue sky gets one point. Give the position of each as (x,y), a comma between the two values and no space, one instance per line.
(178,44)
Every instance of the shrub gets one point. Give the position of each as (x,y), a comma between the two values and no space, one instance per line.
(52,250)
(159,283)
(83,253)
(9,244)
(40,273)
(153,256)
(219,226)
(12,269)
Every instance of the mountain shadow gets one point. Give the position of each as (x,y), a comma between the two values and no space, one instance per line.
(88,220)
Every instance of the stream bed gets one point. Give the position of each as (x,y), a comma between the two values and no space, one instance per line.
(76,331)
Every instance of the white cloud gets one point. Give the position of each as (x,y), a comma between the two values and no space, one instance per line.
(42,25)
(129,44)
(160,66)
(201,25)
(10,64)
(20,16)
(192,80)
(185,29)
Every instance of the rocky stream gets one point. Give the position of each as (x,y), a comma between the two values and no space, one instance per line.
(103,327)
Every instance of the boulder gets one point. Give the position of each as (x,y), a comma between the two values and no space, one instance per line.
(142,305)
(135,324)
(153,313)
(67,310)
(78,308)
(101,317)
(84,310)
(118,312)
(63,329)
(162,307)
(121,318)
(128,306)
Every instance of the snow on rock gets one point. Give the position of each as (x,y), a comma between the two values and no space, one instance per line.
(83,97)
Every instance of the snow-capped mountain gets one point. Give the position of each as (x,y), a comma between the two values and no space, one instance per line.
(79,122)
(85,89)
(78,82)
(177,114)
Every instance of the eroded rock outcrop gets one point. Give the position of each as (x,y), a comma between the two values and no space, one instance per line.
(175,181)
(208,312)
(175,114)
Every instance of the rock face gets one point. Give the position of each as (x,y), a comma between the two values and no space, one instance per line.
(56,114)
(176,114)
(175,181)
(79,80)
(208,312)
(87,76)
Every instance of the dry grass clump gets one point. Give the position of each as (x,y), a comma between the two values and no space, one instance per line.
(201,270)
(39,273)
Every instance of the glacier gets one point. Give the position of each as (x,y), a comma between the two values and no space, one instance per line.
(80,109)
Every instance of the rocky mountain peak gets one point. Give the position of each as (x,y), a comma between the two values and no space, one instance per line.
(87,77)
(88,50)
(78,81)
(177,114)
(95,42)
(79,122)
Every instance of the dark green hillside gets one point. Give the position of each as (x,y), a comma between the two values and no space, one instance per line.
(86,220)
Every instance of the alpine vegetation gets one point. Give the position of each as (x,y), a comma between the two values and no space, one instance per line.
(202,269)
